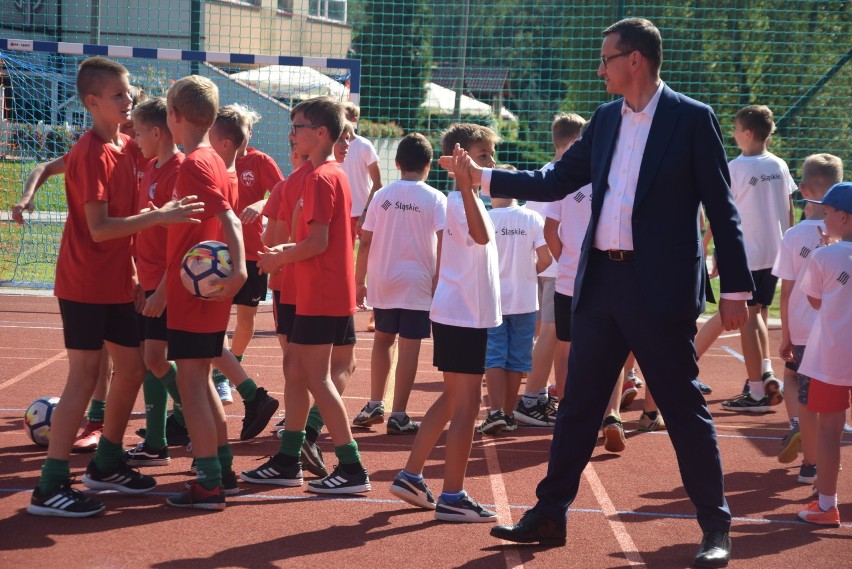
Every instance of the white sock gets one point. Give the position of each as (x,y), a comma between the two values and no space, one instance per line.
(530,399)
(399,415)
(631,374)
(827,502)
(374,404)
(756,390)
(543,396)
(767,365)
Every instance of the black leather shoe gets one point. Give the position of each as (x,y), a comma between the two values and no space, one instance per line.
(533,528)
(715,550)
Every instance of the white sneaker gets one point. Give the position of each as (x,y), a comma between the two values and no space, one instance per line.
(223,388)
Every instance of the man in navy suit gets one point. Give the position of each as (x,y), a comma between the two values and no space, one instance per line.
(652,158)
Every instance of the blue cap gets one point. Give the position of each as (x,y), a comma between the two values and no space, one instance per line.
(838,196)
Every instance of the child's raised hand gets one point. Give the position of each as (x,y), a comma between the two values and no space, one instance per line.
(181,210)
(824,238)
(462,168)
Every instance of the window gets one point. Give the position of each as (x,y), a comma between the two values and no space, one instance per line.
(285,5)
(329,9)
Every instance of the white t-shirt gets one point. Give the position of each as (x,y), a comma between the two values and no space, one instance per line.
(799,243)
(468,291)
(519,232)
(573,213)
(539,208)
(761,186)
(403,218)
(828,277)
(361,155)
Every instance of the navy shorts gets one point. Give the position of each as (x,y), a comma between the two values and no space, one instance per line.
(318,330)
(195,345)
(764,287)
(562,308)
(458,349)
(87,326)
(409,324)
(254,289)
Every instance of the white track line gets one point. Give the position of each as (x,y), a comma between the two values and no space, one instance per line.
(733,352)
(501,499)
(32,370)
(634,558)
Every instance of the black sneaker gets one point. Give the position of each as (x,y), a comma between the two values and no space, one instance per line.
(511,425)
(124,479)
(277,428)
(258,414)
(745,402)
(415,493)
(703,387)
(493,423)
(64,502)
(466,510)
(230,484)
(176,434)
(404,426)
(339,482)
(271,472)
(370,416)
(537,415)
(199,498)
(312,459)
(143,455)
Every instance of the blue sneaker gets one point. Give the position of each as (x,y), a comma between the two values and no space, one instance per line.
(466,510)
(415,493)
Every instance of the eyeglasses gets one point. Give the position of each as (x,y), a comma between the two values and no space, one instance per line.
(605,59)
(294,127)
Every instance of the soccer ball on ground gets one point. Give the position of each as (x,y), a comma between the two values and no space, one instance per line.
(37,419)
(204,263)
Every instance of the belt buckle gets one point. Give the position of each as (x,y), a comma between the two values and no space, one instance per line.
(616,255)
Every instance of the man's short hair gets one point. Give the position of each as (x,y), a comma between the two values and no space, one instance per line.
(639,34)
(758,119)
(322,111)
(466,134)
(196,98)
(234,122)
(414,153)
(353,111)
(821,171)
(152,113)
(565,127)
(92,72)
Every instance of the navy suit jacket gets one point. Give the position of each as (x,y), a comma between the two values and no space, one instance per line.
(684,165)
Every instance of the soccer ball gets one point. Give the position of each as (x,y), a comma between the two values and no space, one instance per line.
(203,263)
(37,419)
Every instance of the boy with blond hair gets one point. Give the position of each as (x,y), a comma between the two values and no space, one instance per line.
(96,291)
(465,305)
(826,283)
(325,303)
(819,173)
(196,327)
(761,186)
(400,240)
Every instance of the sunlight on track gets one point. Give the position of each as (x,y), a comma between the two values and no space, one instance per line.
(631,552)
(501,500)
(32,370)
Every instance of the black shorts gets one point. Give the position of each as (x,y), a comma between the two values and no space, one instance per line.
(285,314)
(458,349)
(764,287)
(87,326)
(409,324)
(152,328)
(318,330)
(195,345)
(562,308)
(254,289)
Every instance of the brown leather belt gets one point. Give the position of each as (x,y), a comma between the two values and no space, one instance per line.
(616,254)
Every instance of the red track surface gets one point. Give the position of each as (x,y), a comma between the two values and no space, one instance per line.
(631,509)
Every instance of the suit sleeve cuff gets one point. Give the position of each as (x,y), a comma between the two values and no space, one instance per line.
(735,295)
(485,182)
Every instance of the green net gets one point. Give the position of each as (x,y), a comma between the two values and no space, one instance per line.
(425,63)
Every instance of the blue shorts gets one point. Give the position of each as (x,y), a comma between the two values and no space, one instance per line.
(510,344)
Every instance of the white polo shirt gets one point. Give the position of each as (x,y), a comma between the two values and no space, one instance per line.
(403,217)
(519,231)
(361,155)
(829,277)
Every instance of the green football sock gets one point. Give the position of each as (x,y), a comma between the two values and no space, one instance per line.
(169,381)
(108,455)
(96,411)
(156,402)
(209,471)
(349,457)
(247,389)
(53,473)
(291,443)
(314,424)
(226,457)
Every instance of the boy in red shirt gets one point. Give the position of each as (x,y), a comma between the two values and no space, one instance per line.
(96,287)
(196,327)
(325,302)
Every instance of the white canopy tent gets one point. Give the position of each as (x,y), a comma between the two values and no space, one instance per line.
(292,82)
